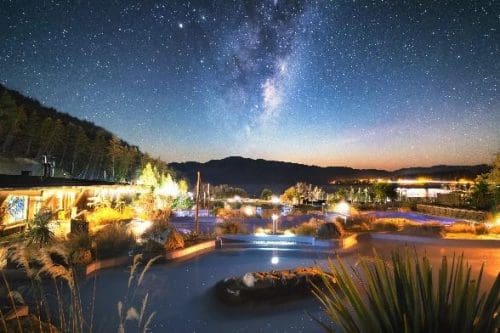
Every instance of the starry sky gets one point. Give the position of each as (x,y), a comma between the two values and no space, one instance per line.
(383,84)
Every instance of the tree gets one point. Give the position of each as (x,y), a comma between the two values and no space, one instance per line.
(290,195)
(183,187)
(384,191)
(481,197)
(12,118)
(266,194)
(148,177)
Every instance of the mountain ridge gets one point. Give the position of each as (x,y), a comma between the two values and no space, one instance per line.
(243,170)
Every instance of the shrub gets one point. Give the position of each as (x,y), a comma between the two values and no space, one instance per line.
(152,248)
(306,229)
(79,246)
(330,230)
(404,295)
(431,229)
(157,228)
(360,222)
(480,229)
(107,215)
(174,240)
(460,227)
(112,241)
(230,227)
(387,224)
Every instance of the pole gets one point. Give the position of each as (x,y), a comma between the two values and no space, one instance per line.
(196,220)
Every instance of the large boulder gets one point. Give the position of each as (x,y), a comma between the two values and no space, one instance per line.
(265,286)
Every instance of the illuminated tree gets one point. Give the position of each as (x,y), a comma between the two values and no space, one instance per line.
(290,195)
(183,187)
(148,177)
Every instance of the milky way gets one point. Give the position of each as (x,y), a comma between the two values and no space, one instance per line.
(361,83)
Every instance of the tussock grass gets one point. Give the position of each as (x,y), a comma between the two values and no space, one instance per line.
(112,241)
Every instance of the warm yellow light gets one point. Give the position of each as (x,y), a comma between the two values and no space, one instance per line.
(342,208)
(248,210)
(138,227)
(275,199)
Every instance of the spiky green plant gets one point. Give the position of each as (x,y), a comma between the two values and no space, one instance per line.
(403,294)
(39,232)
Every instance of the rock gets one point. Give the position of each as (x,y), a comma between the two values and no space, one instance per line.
(249,280)
(265,286)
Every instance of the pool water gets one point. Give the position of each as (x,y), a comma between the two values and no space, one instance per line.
(182,292)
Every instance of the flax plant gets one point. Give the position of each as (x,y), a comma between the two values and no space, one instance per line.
(404,294)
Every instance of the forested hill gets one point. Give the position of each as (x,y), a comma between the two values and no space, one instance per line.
(79,148)
(243,172)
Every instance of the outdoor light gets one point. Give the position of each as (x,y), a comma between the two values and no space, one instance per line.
(274,217)
(343,208)
(138,227)
(275,199)
(275,260)
(248,210)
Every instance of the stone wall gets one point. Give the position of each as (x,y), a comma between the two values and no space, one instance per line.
(465,214)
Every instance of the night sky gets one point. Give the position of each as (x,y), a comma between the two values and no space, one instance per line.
(381,84)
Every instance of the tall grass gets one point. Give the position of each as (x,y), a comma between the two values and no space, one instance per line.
(57,306)
(404,294)
(112,241)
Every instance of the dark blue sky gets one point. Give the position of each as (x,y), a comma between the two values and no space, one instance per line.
(361,83)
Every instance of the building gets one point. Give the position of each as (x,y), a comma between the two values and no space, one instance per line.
(22,197)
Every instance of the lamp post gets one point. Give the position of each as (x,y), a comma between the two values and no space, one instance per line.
(274,217)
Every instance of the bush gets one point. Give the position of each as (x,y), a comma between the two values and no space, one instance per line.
(107,215)
(461,228)
(79,246)
(174,240)
(112,241)
(152,248)
(481,229)
(387,224)
(230,227)
(431,229)
(360,222)
(157,228)
(330,230)
(405,295)
(306,229)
